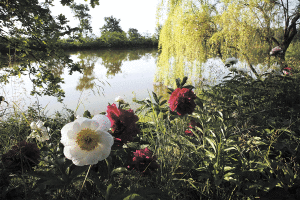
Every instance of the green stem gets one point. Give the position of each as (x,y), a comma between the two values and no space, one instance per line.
(84,181)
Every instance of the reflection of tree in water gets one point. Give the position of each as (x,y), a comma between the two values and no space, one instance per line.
(112,60)
(87,81)
(56,67)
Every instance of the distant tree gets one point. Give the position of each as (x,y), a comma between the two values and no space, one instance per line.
(81,13)
(29,37)
(133,34)
(111,25)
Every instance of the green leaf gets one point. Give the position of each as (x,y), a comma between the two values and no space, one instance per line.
(178,83)
(118,170)
(210,154)
(134,196)
(163,102)
(212,143)
(109,190)
(78,170)
(183,81)
(155,97)
(95,178)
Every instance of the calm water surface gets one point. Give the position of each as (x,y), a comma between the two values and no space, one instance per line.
(107,74)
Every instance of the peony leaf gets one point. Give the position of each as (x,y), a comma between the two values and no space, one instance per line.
(109,190)
(134,196)
(163,102)
(155,97)
(78,170)
(183,81)
(178,83)
(118,170)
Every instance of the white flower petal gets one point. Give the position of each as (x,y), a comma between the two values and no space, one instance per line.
(84,122)
(67,142)
(74,153)
(119,99)
(33,125)
(80,157)
(39,124)
(106,138)
(65,131)
(103,121)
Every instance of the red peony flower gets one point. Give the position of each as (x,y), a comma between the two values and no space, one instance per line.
(22,156)
(123,123)
(182,100)
(144,161)
(192,126)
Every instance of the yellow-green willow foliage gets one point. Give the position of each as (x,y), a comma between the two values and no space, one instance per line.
(196,30)
(184,39)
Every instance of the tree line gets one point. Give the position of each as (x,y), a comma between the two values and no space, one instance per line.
(112,36)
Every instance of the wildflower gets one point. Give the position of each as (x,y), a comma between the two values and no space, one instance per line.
(276,50)
(144,161)
(230,61)
(39,131)
(123,123)
(182,100)
(192,126)
(86,140)
(287,71)
(23,156)
(119,99)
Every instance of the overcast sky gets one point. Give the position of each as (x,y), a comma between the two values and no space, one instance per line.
(138,14)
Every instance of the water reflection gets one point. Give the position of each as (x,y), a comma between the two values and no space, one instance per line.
(112,60)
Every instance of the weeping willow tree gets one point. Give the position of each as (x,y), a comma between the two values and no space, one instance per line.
(196,30)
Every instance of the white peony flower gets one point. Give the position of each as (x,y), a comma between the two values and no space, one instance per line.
(119,99)
(86,140)
(230,61)
(39,131)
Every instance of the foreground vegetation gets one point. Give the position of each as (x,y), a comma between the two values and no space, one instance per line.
(236,140)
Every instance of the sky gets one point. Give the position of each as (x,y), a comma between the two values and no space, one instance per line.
(138,14)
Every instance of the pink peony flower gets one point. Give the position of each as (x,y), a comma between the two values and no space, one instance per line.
(23,156)
(192,126)
(182,100)
(287,71)
(123,123)
(144,161)
(276,51)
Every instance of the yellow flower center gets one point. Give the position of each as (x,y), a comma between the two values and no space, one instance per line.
(87,139)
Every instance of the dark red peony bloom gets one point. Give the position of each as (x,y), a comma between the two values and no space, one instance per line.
(22,156)
(192,126)
(123,123)
(144,161)
(182,100)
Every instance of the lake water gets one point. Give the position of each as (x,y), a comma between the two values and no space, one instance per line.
(125,73)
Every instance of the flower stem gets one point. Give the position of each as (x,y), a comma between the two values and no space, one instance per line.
(84,182)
